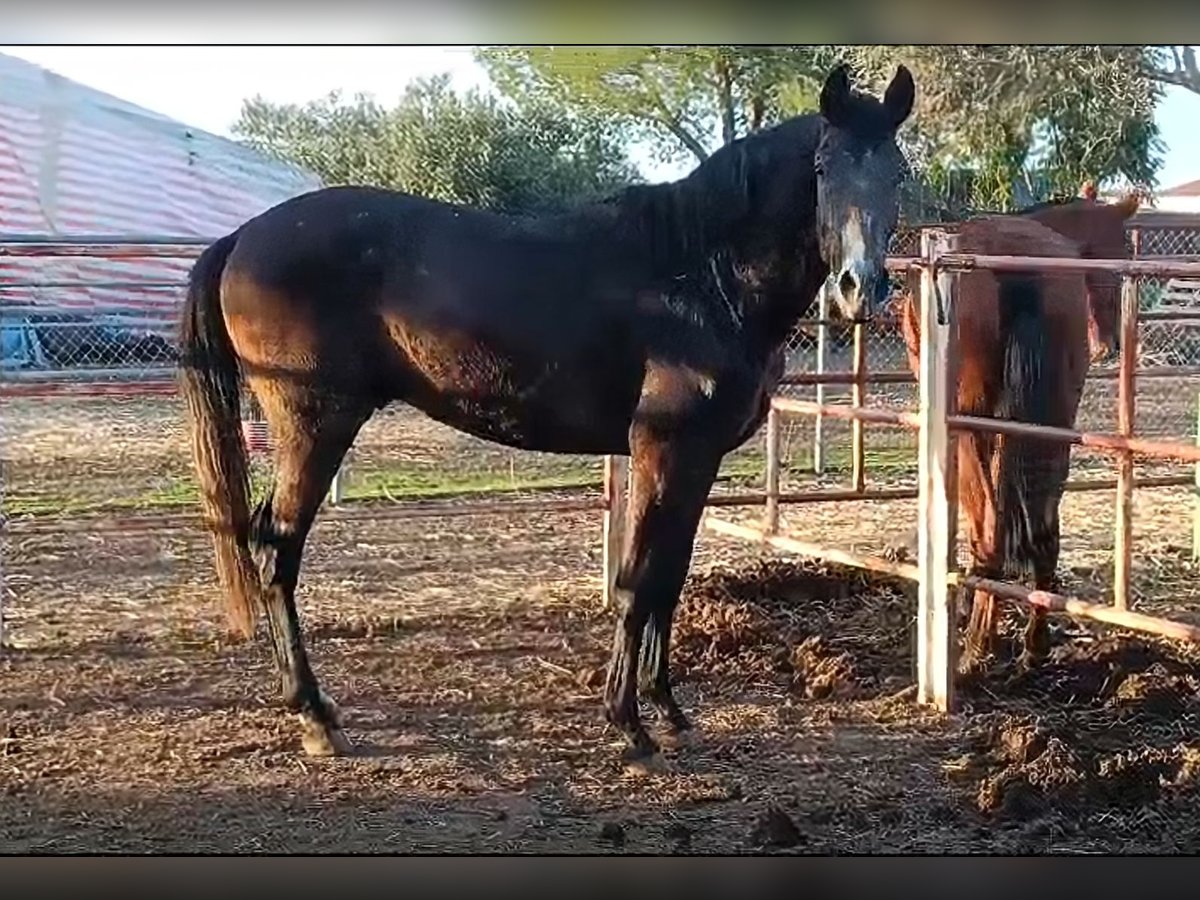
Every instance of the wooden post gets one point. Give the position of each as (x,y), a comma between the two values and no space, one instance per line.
(616,495)
(858,471)
(335,487)
(822,352)
(937,497)
(1126,397)
(771,513)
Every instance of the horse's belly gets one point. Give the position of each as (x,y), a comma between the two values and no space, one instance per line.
(529,425)
(557,402)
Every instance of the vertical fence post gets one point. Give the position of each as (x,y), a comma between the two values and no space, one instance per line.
(1196,493)
(1126,396)
(937,495)
(771,512)
(822,352)
(1195,497)
(858,470)
(616,497)
(335,487)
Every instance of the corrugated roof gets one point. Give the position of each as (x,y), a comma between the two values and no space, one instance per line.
(74,160)
(1187,189)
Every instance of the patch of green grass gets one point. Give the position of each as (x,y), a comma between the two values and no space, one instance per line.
(405,481)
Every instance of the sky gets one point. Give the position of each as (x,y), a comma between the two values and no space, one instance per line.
(204,86)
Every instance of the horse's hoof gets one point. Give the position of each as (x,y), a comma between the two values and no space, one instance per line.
(678,734)
(1028,662)
(333,713)
(324,740)
(677,740)
(643,756)
(643,765)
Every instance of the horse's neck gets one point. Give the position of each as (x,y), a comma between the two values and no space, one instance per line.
(772,314)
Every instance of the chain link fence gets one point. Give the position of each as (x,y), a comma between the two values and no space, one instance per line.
(88,311)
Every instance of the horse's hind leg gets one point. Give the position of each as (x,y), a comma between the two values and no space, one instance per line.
(669,489)
(1047,542)
(979,499)
(312,440)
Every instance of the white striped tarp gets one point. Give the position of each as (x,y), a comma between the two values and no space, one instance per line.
(76,161)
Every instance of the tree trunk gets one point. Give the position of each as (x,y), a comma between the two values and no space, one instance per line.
(686,138)
(725,101)
(758,109)
(1184,72)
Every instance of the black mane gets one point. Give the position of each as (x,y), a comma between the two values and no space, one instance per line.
(682,223)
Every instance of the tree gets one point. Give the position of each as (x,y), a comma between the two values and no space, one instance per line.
(1174,64)
(468,148)
(1041,117)
(682,100)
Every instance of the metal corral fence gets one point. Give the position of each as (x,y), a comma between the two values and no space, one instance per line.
(88,384)
(938,571)
(1169,337)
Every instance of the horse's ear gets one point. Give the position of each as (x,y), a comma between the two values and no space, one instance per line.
(1129,204)
(835,93)
(899,97)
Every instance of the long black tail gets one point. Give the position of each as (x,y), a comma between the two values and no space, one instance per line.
(1024,397)
(211,386)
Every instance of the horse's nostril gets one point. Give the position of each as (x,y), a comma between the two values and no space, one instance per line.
(847,284)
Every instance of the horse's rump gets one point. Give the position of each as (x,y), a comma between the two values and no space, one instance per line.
(1024,352)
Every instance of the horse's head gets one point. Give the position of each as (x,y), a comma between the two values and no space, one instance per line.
(859,168)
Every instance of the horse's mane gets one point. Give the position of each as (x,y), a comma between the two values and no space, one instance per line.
(1127,205)
(683,222)
(1052,203)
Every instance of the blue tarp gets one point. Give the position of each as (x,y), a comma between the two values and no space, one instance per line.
(20,347)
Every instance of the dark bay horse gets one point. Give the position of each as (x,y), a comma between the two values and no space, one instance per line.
(651,324)
(1023,354)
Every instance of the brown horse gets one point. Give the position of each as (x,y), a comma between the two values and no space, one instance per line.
(650,324)
(1099,229)
(1023,355)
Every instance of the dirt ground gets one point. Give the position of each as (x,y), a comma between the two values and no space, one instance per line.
(467,655)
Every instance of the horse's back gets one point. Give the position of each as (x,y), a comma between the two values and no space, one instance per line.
(1063,293)
(501,326)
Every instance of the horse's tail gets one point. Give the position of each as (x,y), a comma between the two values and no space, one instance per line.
(1023,398)
(211,386)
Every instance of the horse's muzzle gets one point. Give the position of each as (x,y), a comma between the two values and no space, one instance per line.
(860,290)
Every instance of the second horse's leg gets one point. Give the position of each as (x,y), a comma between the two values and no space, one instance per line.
(1046,544)
(978,495)
(655,677)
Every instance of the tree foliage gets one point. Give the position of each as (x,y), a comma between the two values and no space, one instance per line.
(998,124)
(1045,118)
(683,101)
(1174,64)
(467,148)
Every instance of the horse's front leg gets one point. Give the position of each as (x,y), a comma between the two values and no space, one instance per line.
(672,473)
